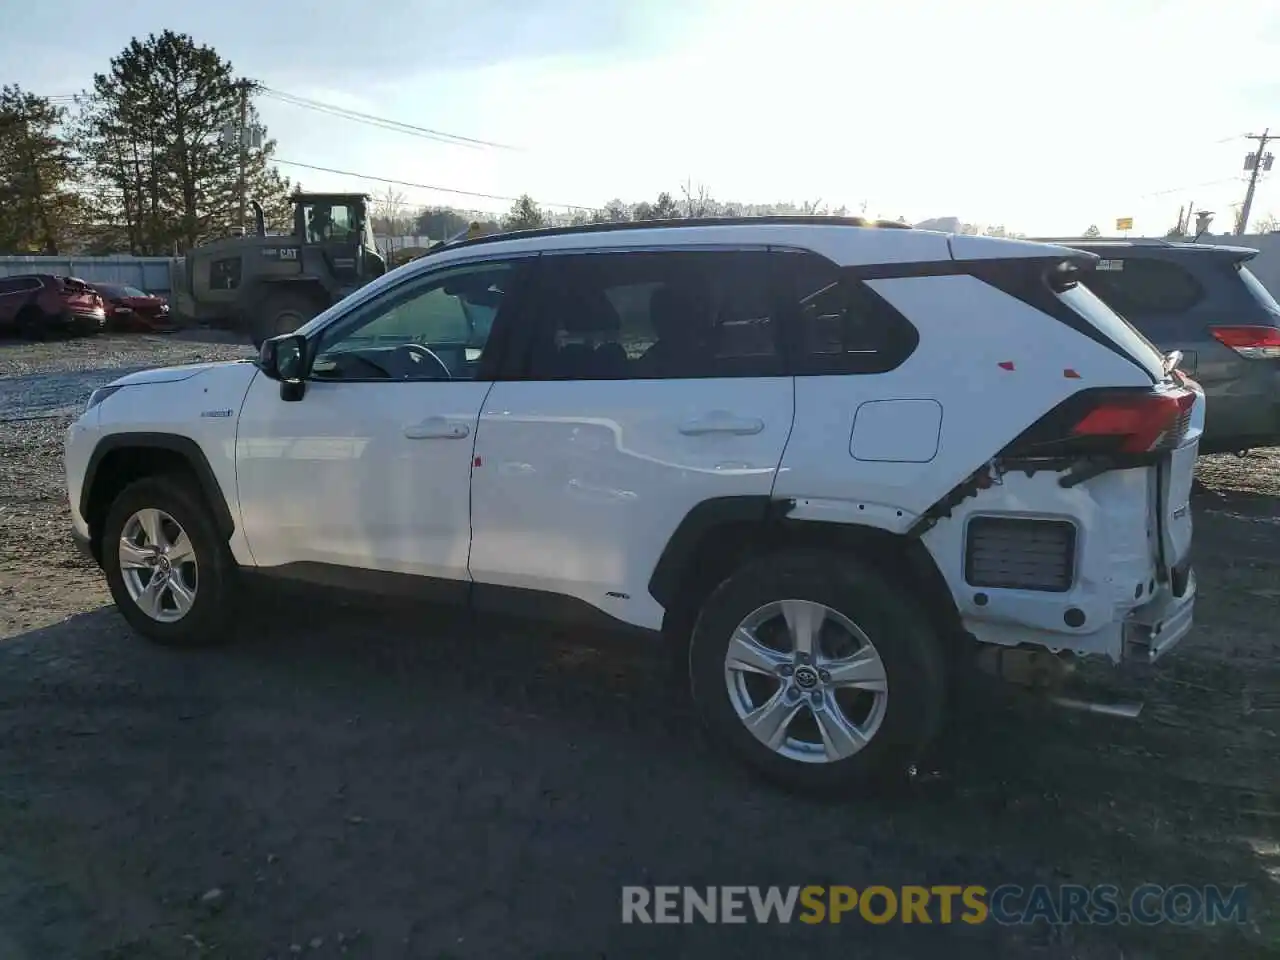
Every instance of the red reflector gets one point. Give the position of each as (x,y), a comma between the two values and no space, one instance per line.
(1142,421)
(1253,343)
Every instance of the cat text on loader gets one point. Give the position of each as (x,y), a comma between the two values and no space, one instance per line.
(268,284)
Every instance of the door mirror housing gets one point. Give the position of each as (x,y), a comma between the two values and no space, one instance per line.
(284,359)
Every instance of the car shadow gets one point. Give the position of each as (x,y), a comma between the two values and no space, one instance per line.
(419,776)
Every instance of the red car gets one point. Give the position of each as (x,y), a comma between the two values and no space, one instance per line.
(129,308)
(34,305)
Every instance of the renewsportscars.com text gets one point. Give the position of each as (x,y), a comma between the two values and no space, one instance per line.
(1008,904)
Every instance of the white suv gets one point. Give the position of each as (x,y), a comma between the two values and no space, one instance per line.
(828,456)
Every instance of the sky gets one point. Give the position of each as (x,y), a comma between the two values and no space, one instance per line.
(1042,116)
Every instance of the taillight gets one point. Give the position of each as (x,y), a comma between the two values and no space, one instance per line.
(1141,422)
(1107,422)
(1252,343)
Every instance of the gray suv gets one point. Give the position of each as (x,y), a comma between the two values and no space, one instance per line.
(1203,301)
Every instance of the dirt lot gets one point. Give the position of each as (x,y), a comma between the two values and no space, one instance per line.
(353,781)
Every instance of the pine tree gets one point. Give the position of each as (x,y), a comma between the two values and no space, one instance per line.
(39,206)
(665,208)
(153,136)
(525,214)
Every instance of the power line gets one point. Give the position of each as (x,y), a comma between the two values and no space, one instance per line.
(384,123)
(344,113)
(1190,186)
(423,186)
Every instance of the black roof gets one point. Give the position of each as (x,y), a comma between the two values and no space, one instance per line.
(332,197)
(666,224)
(1103,246)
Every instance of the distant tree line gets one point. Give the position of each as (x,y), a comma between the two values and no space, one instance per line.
(395,217)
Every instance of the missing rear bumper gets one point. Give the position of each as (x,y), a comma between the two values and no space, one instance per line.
(1151,633)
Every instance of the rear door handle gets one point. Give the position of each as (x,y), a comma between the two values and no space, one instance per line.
(437,428)
(722,423)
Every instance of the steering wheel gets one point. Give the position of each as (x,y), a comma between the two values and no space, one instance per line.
(420,354)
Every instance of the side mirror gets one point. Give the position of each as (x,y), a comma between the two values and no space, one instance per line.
(283,358)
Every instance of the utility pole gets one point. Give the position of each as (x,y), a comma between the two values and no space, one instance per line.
(244,149)
(1255,163)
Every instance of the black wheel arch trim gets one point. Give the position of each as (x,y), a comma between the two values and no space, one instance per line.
(185,447)
(685,541)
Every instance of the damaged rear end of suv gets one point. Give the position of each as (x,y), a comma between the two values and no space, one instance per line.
(1074,540)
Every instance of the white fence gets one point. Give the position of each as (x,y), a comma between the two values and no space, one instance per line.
(146,273)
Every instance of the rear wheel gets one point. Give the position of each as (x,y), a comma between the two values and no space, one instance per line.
(171,575)
(282,312)
(31,324)
(816,671)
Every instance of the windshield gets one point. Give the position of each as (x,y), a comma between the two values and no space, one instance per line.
(1260,293)
(119,290)
(1116,328)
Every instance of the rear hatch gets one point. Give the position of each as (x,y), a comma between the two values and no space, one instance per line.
(1101,429)
(1258,340)
(79,297)
(1177,407)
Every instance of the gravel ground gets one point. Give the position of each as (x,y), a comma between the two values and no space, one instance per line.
(347,780)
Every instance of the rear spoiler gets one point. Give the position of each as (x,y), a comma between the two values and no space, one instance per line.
(1240,254)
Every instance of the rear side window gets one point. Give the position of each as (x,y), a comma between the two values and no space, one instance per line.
(838,324)
(1138,285)
(661,316)
(1124,334)
(1258,291)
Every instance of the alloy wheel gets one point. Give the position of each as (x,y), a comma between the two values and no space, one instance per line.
(158,565)
(806,681)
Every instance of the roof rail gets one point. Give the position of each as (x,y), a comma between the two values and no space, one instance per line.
(673,223)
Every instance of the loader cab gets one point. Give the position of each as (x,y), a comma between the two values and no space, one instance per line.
(337,227)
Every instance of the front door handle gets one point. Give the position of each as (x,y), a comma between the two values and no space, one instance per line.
(722,423)
(437,428)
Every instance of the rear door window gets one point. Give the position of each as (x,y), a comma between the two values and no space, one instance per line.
(653,316)
(19,285)
(1139,285)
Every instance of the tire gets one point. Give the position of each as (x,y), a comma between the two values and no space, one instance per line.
(30,324)
(281,312)
(214,577)
(899,724)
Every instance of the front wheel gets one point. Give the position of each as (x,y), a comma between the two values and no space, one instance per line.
(170,573)
(280,313)
(816,671)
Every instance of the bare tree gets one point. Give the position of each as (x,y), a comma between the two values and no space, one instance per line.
(697,201)
(1269,223)
(391,214)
